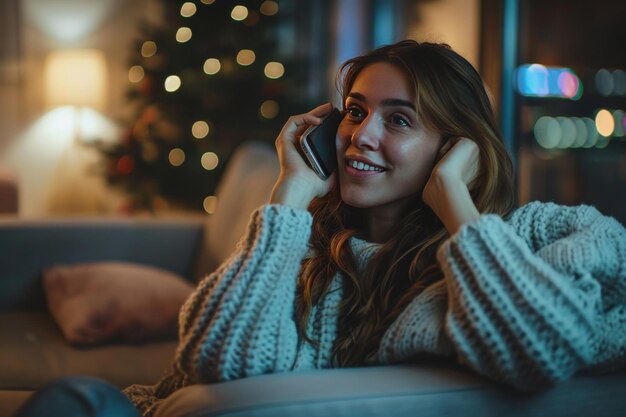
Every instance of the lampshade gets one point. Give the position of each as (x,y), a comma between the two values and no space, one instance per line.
(75,77)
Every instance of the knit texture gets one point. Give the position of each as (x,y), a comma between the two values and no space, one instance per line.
(528,302)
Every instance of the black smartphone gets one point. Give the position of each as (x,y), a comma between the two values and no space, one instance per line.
(318,145)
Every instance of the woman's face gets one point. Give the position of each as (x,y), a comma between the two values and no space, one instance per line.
(385,153)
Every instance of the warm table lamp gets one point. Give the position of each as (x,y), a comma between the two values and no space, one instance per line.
(75,77)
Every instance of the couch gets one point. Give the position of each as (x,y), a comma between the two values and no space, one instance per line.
(33,351)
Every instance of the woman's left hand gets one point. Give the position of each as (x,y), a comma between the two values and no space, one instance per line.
(447,189)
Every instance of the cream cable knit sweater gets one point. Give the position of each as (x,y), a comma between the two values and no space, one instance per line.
(527,302)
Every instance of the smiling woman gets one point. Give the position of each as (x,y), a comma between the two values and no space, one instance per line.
(411,248)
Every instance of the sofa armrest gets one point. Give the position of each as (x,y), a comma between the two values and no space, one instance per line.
(28,247)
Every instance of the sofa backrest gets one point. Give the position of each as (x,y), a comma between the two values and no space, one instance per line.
(246,184)
(27,247)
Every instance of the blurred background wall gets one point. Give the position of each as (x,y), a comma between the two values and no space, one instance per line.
(555,68)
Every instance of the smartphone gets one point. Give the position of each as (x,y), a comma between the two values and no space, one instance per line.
(318,145)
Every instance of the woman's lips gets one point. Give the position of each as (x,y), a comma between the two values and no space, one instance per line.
(362,167)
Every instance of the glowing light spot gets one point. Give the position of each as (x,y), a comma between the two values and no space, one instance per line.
(239,13)
(209,161)
(532,80)
(581,133)
(200,129)
(605,124)
(619,82)
(274,70)
(183,34)
(188,9)
(569,85)
(212,66)
(176,157)
(148,49)
(210,204)
(592,133)
(568,132)
(135,73)
(207,1)
(269,109)
(620,121)
(172,83)
(547,132)
(604,82)
(269,8)
(245,57)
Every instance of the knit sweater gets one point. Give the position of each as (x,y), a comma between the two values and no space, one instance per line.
(528,302)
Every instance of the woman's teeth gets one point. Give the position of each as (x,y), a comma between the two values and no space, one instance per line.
(363,167)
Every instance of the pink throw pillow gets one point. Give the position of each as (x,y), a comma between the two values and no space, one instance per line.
(111,301)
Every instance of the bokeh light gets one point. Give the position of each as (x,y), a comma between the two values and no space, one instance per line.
(183,34)
(619,116)
(619,82)
(269,109)
(604,82)
(148,49)
(188,9)
(176,157)
(209,161)
(536,80)
(568,132)
(212,66)
(207,1)
(200,129)
(274,70)
(581,133)
(547,132)
(172,83)
(239,13)
(605,124)
(135,73)
(269,8)
(210,204)
(592,132)
(245,57)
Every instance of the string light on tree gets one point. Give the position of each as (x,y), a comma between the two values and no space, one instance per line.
(172,83)
(135,73)
(210,204)
(246,57)
(200,129)
(212,66)
(269,109)
(239,13)
(274,70)
(269,8)
(176,157)
(188,9)
(209,161)
(183,34)
(148,49)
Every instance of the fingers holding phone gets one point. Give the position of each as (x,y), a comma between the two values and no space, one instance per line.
(297,183)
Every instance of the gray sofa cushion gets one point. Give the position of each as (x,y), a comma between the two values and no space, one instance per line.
(35,353)
(404,390)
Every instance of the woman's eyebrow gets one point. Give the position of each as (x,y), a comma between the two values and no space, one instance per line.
(386,102)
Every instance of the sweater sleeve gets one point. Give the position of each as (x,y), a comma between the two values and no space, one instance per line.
(239,320)
(525,298)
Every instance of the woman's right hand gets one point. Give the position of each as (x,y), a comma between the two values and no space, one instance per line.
(298,184)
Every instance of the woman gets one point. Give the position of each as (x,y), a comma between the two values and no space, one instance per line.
(408,249)
(412,247)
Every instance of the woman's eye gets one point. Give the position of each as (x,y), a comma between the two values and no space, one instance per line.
(399,120)
(354,112)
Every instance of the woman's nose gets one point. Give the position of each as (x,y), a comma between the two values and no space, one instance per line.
(368,134)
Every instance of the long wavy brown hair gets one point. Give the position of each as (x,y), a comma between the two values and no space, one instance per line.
(452,101)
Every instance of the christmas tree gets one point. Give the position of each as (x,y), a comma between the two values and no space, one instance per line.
(207,79)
